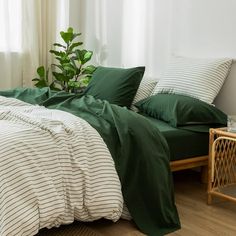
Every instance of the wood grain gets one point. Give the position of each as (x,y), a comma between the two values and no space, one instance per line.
(197,218)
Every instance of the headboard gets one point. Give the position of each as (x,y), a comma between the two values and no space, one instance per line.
(226,99)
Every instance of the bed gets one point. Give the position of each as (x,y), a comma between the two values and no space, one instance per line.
(210,80)
(147,189)
(141,149)
(188,149)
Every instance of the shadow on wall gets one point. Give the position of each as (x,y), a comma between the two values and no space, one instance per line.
(100,52)
(226,99)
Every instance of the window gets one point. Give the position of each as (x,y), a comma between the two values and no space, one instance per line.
(10,25)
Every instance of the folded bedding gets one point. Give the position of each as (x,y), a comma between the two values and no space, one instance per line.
(139,151)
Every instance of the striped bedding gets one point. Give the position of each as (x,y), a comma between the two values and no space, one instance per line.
(201,78)
(54,168)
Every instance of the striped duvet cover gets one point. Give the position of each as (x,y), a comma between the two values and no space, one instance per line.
(54,168)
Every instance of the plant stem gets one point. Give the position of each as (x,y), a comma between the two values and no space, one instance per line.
(76,78)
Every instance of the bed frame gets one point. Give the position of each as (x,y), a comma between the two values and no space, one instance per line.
(189,163)
(200,161)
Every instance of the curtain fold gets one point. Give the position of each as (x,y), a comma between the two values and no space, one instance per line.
(10,63)
(129,33)
(123,33)
(27,35)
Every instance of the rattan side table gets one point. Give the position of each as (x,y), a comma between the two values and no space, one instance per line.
(222,165)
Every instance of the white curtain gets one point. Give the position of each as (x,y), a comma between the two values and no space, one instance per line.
(128,33)
(28,28)
(122,33)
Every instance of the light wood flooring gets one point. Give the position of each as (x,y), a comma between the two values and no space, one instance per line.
(197,218)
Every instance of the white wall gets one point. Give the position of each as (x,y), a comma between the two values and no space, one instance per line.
(206,28)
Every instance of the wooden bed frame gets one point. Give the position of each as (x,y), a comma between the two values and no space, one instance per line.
(200,161)
(188,163)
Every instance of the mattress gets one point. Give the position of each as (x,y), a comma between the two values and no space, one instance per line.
(182,143)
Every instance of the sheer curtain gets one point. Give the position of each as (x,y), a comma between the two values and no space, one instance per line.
(28,28)
(121,33)
(128,32)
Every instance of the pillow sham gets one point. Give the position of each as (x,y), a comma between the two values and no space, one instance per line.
(144,90)
(180,110)
(116,85)
(195,77)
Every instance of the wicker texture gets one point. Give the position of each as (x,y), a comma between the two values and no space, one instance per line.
(222,165)
(224,162)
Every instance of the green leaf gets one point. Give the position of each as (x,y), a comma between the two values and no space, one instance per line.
(70,30)
(53,87)
(69,65)
(67,36)
(78,54)
(46,76)
(41,71)
(78,70)
(64,60)
(71,69)
(59,45)
(71,83)
(87,56)
(41,84)
(60,77)
(74,84)
(58,66)
(72,61)
(85,81)
(89,69)
(83,55)
(58,58)
(59,83)
(73,45)
(75,35)
(57,53)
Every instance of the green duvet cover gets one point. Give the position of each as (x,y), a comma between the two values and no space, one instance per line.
(139,150)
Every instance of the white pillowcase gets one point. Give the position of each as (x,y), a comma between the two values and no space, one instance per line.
(194,77)
(145,89)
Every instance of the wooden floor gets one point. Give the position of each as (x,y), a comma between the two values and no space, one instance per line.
(197,218)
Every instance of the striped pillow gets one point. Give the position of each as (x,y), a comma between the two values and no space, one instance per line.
(194,77)
(145,89)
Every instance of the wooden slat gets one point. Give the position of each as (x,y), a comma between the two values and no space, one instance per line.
(189,163)
(223,196)
(223,132)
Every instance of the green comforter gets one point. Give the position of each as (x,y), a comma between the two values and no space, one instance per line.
(139,151)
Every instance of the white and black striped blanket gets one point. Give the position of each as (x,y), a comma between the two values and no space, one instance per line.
(54,168)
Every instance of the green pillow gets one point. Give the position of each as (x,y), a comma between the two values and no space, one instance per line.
(179,110)
(116,85)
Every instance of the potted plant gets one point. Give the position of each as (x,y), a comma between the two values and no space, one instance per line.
(70,73)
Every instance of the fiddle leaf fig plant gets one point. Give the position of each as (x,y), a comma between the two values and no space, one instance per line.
(71,72)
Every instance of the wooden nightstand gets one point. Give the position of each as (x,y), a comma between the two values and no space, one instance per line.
(222,165)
